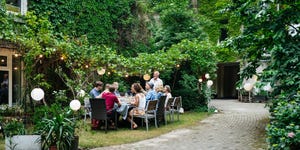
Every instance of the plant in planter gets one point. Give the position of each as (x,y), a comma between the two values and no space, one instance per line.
(15,138)
(57,131)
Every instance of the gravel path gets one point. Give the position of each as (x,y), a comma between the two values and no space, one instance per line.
(237,126)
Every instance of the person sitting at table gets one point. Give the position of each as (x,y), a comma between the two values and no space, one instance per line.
(139,102)
(159,91)
(122,97)
(116,85)
(110,101)
(151,94)
(106,90)
(96,91)
(167,92)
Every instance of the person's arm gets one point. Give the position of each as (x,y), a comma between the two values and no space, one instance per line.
(135,101)
(118,102)
(148,96)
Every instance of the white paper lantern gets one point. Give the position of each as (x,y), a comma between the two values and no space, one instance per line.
(75,104)
(101,71)
(146,77)
(207,76)
(81,93)
(37,94)
(248,86)
(209,83)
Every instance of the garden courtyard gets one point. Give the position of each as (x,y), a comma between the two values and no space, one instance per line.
(71,69)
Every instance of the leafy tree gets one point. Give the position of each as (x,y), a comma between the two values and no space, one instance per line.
(271,28)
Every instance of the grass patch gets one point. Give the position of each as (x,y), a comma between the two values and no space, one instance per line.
(91,139)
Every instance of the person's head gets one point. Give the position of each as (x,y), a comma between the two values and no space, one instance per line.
(149,85)
(98,85)
(155,74)
(167,89)
(107,86)
(111,88)
(122,94)
(116,85)
(159,88)
(136,88)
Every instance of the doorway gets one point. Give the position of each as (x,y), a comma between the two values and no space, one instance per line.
(227,79)
(10,77)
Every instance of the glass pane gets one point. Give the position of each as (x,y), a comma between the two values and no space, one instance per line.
(4,87)
(13,2)
(16,98)
(3,61)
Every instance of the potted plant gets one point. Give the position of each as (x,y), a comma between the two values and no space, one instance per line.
(15,138)
(57,132)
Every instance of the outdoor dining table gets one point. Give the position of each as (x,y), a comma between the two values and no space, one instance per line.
(125,107)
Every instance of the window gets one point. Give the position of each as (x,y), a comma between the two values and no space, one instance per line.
(3,61)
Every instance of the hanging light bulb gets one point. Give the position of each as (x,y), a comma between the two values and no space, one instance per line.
(177,65)
(86,66)
(62,58)
(16,55)
(40,56)
(200,80)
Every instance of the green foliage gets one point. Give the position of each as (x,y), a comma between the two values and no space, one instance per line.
(284,129)
(189,92)
(270,27)
(178,22)
(202,56)
(58,130)
(11,111)
(47,112)
(14,127)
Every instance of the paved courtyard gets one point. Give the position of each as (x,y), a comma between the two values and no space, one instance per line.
(237,126)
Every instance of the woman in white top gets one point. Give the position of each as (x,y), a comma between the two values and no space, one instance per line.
(139,102)
(167,92)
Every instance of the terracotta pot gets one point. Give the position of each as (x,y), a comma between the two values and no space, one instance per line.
(52,148)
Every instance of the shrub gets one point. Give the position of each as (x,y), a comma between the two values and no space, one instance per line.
(284,130)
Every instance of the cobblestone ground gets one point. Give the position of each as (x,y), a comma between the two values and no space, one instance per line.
(237,126)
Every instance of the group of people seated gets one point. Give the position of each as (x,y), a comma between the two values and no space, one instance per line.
(154,89)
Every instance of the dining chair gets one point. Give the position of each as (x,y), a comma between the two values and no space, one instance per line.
(150,112)
(168,109)
(87,109)
(99,112)
(175,107)
(160,113)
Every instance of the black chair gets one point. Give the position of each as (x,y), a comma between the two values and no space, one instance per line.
(99,112)
(160,112)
